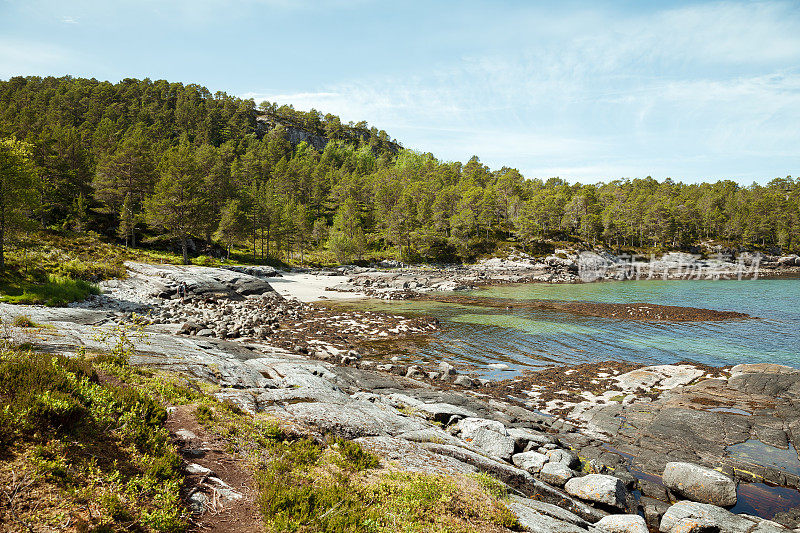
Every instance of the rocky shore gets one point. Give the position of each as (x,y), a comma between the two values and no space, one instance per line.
(392,280)
(603,447)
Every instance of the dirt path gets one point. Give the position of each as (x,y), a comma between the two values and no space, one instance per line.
(220,512)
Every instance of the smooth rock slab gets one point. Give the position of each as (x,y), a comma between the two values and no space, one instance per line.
(623,523)
(550,510)
(530,461)
(536,522)
(700,484)
(598,488)
(349,421)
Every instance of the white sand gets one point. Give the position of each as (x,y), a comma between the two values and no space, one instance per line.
(308,288)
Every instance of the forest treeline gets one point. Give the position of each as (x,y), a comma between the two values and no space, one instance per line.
(144,159)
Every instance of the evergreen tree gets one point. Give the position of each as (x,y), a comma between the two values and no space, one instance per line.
(17,189)
(177,203)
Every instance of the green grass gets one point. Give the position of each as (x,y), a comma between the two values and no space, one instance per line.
(56,291)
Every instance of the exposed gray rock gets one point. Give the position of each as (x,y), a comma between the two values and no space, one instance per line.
(197,503)
(411,457)
(697,517)
(464,381)
(623,523)
(537,522)
(447,369)
(194,468)
(350,420)
(530,461)
(489,435)
(525,437)
(520,480)
(443,412)
(414,372)
(550,510)
(185,435)
(598,488)
(563,456)
(700,484)
(556,474)
(653,510)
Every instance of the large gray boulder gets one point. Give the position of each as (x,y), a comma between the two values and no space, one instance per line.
(489,436)
(563,456)
(694,517)
(556,474)
(599,488)
(700,484)
(530,461)
(623,523)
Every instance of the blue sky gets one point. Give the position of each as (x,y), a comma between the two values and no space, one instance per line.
(589,91)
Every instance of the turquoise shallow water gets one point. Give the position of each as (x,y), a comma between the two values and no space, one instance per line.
(527,338)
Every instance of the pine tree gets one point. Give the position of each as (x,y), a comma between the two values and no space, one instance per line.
(17,189)
(177,203)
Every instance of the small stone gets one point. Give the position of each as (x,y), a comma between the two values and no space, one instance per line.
(447,369)
(194,453)
(185,435)
(197,503)
(464,381)
(194,468)
(414,372)
(653,510)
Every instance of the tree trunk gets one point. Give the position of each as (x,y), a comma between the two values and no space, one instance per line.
(185,250)
(2,240)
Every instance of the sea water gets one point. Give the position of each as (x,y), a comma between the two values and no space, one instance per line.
(530,338)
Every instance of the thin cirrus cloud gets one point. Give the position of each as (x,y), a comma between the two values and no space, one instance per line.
(702,91)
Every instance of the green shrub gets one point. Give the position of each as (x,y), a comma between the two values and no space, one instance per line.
(204,413)
(353,457)
(24,321)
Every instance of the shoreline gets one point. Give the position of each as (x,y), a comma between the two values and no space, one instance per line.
(620,421)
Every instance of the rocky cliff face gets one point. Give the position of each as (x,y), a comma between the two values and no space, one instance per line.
(297,134)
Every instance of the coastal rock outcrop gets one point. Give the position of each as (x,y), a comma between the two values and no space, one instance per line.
(694,517)
(700,484)
(599,488)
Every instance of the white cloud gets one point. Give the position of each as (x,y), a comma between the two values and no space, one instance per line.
(685,90)
(66,19)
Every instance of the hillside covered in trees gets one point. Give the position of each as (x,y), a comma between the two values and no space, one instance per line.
(153,161)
